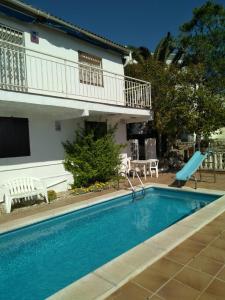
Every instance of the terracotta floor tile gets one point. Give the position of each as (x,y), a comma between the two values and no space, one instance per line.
(193,244)
(175,290)
(155,297)
(183,253)
(130,291)
(214,253)
(219,243)
(166,267)
(216,289)
(193,278)
(206,296)
(150,279)
(206,264)
(215,227)
(221,218)
(222,235)
(211,229)
(221,274)
(203,236)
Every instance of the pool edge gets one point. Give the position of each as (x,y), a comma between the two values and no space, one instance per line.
(105,280)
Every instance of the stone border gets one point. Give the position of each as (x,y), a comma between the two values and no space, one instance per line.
(105,280)
(55,212)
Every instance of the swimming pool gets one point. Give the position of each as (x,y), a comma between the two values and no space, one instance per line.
(38,260)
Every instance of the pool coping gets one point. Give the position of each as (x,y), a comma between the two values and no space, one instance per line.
(105,280)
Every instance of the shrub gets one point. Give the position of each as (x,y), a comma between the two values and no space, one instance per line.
(52,195)
(92,160)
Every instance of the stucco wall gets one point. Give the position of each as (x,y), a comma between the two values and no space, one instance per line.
(57,77)
(47,152)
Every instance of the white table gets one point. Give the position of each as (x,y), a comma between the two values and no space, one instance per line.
(144,163)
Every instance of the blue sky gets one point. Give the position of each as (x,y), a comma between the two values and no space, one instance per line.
(138,23)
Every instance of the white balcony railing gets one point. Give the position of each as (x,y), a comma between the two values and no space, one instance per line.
(30,71)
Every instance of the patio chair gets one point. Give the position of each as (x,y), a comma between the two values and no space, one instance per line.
(153,167)
(22,188)
(140,169)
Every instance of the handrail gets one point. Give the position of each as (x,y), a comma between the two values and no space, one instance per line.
(125,173)
(131,185)
(69,60)
(32,71)
(142,185)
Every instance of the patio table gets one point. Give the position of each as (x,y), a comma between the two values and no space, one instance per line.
(144,163)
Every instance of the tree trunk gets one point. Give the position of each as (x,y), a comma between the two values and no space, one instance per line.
(198,141)
(160,144)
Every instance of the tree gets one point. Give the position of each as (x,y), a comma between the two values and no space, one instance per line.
(188,96)
(203,41)
(205,110)
(140,54)
(182,102)
(163,82)
(165,48)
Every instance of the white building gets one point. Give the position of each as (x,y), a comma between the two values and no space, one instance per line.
(55,77)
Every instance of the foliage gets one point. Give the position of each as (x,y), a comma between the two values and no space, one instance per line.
(163,81)
(199,109)
(51,195)
(96,187)
(203,41)
(92,160)
(165,48)
(187,97)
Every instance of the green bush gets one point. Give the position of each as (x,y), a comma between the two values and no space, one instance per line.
(92,160)
(51,195)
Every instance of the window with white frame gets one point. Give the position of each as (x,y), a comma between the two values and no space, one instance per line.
(12,59)
(90,70)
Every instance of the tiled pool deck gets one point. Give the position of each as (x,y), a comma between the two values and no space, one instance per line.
(186,261)
(193,270)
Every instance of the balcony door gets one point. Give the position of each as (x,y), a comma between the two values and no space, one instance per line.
(12,59)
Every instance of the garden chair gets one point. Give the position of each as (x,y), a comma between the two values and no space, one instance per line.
(22,189)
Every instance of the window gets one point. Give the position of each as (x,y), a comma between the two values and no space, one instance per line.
(14,137)
(12,59)
(90,72)
(99,129)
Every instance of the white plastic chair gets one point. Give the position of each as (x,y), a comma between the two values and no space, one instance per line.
(22,188)
(139,168)
(153,167)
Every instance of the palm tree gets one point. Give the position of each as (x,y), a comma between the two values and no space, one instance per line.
(140,54)
(167,50)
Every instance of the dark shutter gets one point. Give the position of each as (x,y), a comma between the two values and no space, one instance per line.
(14,137)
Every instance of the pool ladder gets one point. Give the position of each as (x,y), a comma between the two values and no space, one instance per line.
(134,191)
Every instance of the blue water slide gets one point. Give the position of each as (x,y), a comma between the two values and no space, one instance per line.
(191,166)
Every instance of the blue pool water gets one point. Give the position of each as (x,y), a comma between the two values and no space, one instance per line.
(38,260)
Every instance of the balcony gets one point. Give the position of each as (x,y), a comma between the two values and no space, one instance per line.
(30,71)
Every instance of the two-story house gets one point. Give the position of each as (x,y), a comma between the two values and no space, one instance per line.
(54,78)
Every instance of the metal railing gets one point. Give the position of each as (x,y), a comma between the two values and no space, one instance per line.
(27,70)
(134,191)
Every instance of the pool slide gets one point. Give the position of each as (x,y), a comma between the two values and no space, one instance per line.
(191,166)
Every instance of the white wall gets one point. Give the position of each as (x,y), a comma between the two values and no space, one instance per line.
(52,76)
(47,153)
